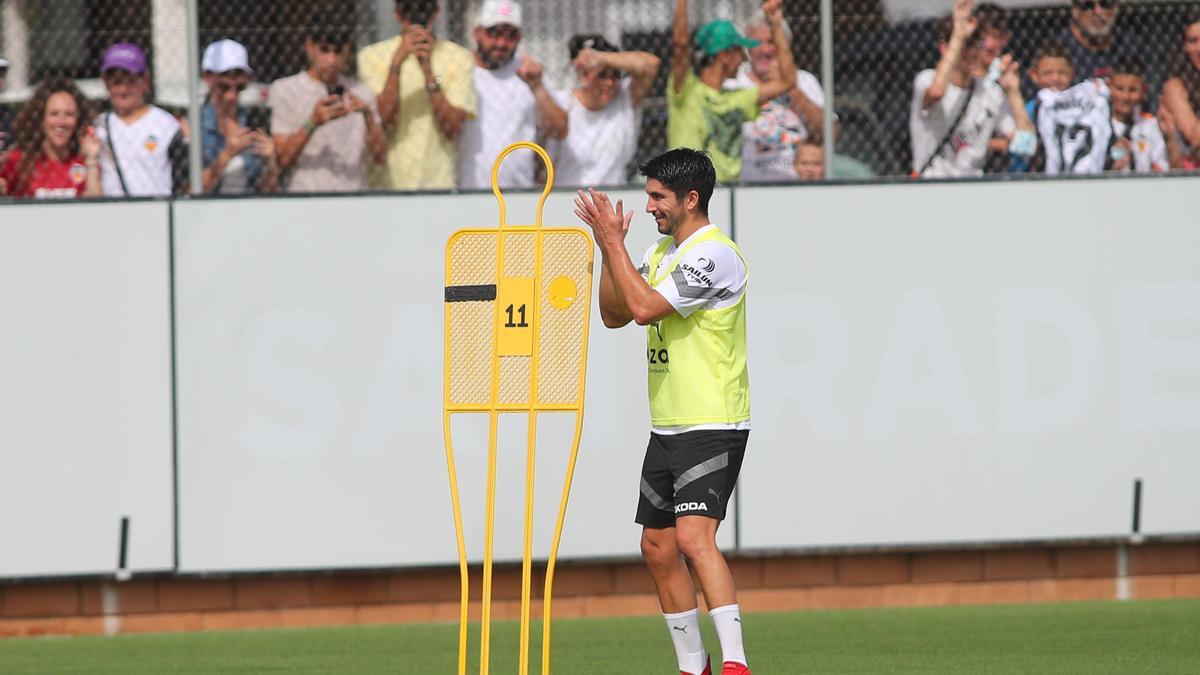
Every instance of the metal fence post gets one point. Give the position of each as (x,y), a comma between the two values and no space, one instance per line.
(195,157)
(827,139)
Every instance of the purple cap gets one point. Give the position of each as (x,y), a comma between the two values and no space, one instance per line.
(123,56)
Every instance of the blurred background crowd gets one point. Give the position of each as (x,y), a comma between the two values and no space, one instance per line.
(106,98)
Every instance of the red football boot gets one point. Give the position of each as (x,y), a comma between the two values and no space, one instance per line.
(707,668)
(734,668)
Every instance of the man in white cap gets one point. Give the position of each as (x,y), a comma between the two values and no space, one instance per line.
(425,93)
(237,159)
(514,105)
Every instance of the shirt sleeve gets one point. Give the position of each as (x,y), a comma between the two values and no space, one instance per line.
(921,84)
(706,275)
(747,101)
(676,99)
(286,118)
(811,87)
(459,84)
(373,67)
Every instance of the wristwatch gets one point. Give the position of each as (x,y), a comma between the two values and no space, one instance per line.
(436,85)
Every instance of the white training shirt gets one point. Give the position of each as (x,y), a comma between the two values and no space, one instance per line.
(507,113)
(1075,127)
(769,142)
(143,150)
(1149,146)
(709,276)
(599,143)
(988,115)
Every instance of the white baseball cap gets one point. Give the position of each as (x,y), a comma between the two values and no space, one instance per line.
(496,12)
(225,55)
(4,63)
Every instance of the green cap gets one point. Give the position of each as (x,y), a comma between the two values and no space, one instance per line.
(715,37)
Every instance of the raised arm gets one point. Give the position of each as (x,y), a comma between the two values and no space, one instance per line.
(551,119)
(641,66)
(964,28)
(1010,82)
(785,72)
(681,51)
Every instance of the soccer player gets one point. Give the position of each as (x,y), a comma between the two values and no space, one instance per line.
(690,293)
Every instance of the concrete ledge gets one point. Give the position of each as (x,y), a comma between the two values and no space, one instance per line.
(766,583)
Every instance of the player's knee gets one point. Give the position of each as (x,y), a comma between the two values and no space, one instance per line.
(695,542)
(658,549)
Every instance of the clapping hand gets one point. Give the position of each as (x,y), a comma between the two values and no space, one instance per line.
(610,225)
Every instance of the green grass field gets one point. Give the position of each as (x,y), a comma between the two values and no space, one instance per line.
(1095,637)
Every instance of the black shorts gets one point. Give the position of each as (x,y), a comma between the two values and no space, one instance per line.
(689,474)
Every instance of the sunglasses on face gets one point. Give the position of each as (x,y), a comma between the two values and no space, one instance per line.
(1100,4)
(609,74)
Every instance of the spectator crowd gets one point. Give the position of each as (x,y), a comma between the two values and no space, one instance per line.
(425,113)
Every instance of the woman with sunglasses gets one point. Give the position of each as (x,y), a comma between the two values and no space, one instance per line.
(237,160)
(1181,93)
(603,112)
(56,156)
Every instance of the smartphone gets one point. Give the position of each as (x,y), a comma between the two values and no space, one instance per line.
(337,90)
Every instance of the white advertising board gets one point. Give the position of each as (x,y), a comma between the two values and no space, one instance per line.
(971,362)
(85,388)
(310,392)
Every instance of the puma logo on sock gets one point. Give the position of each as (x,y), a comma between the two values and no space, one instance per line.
(681,629)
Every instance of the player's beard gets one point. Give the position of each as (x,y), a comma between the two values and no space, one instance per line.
(668,225)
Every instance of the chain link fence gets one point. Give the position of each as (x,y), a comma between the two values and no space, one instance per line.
(277,118)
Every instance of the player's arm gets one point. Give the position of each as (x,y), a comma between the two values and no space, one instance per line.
(629,297)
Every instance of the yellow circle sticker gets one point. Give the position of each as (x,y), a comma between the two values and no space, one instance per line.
(562,292)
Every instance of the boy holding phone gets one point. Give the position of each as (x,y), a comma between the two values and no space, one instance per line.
(325,125)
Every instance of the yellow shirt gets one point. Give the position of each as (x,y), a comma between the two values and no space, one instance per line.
(703,118)
(419,156)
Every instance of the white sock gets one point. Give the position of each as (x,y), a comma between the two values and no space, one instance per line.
(685,635)
(728,622)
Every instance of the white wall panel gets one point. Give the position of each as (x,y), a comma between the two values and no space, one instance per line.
(986,361)
(310,385)
(85,388)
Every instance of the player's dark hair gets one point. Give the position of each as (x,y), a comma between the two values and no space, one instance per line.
(328,26)
(1053,49)
(1183,68)
(416,11)
(683,170)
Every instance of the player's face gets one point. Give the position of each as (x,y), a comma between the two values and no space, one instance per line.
(664,206)
(61,120)
(1191,44)
(1127,92)
(497,44)
(1053,73)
